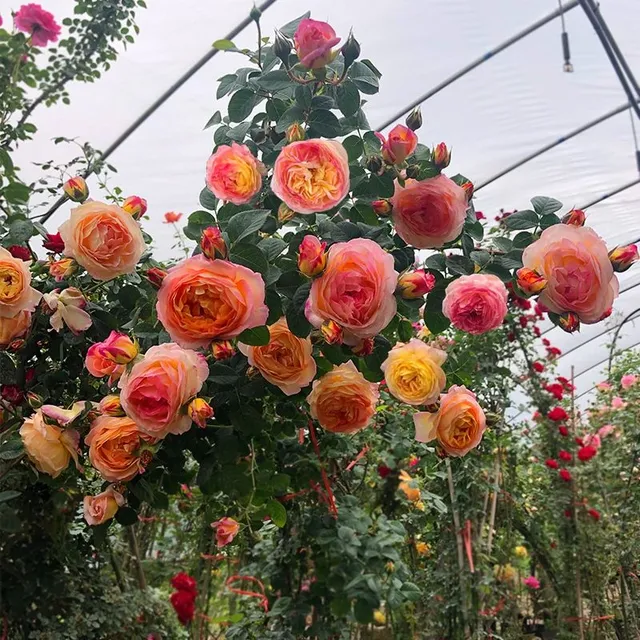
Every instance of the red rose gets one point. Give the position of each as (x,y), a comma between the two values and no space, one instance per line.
(538,366)
(12,393)
(594,513)
(183,582)
(383,471)
(555,389)
(183,603)
(586,453)
(563,431)
(551,463)
(565,475)
(22,253)
(557,414)
(565,455)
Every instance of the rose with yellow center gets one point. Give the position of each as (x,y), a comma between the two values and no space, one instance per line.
(413,372)
(201,300)
(16,292)
(234,174)
(408,487)
(311,175)
(458,425)
(287,361)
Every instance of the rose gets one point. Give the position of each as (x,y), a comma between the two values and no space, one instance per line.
(49,447)
(68,308)
(184,582)
(15,327)
(111,406)
(311,175)
(413,372)
(575,263)
(628,380)
(201,300)
(287,361)
(429,213)
(312,257)
(54,243)
(99,365)
(407,486)
(234,174)
(114,445)
(155,390)
(118,347)
(16,292)
(38,23)
(100,508)
(226,530)
(402,142)
(342,401)
(458,424)
(476,303)
(313,40)
(184,604)
(102,238)
(355,290)
(200,411)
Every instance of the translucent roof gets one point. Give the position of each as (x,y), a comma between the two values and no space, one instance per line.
(511,105)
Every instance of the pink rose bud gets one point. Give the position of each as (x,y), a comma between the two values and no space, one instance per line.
(135,206)
(313,41)
(623,257)
(364,347)
(222,349)
(62,269)
(200,411)
(156,276)
(111,406)
(331,332)
(468,189)
(35,401)
(312,257)
(441,156)
(295,132)
(416,284)
(530,282)
(568,322)
(414,119)
(285,213)
(212,244)
(76,189)
(402,142)
(118,348)
(575,217)
(382,207)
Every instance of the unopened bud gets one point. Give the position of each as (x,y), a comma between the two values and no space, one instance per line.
(575,217)
(374,164)
(212,243)
(364,347)
(255,13)
(414,119)
(441,156)
(416,284)
(76,189)
(285,213)
(567,321)
(282,47)
(222,349)
(35,401)
(468,189)
(200,411)
(135,206)
(111,406)
(382,207)
(530,282)
(312,257)
(350,50)
(295,132)
(331,332)
(623,257)
(156,276)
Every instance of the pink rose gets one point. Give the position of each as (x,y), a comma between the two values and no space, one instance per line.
(355,290)
(429,213)
(532,582)
(476,303)
(99,365)
(100,508)
(402,142)
(628,380)
(234,174)
(575,262)
(226,530)
(313,40)
(156,389)
(603,386)
(618,403)
(39,24)
(606,430)
(592,440)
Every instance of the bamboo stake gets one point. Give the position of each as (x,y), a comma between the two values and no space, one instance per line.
(135,553)
(494,503)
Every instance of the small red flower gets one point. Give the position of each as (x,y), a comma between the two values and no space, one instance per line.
(523,321)
(594,513)
(565,455)
(536,331)
(545,342)
(538,366)
(563,431)
(567,512)
(565,475)
(557,414)
(551,463)
(383,471)
(22,253)
(511,336)
(586,453)
(184,582)
(480,215)
(54,243)
(555,389)
(184,604)
(12,393)
(171,217)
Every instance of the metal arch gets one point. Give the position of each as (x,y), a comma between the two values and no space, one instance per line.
(160,101)
(476,63)
(597,364)
(615,192)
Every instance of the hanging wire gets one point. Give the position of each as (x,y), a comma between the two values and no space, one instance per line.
(635,138)
(566,51)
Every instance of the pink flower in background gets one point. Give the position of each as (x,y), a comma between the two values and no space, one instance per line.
(171,217)
(532,582)
(313,40)
(603,386)
(628,380)
(38,23)
(618,403)
(606,430)
(226,530)
(592,440)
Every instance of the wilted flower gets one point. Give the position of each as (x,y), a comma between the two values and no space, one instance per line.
(68,309)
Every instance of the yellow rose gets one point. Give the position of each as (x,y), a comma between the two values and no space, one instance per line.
(413,372)
(521,552)
(379,618)
(422,548)
(504,573)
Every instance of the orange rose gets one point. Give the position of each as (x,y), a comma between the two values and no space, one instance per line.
(12,328)
(342,401)
(458,425)
(16,292)
(407,486)
(287,360)
(234,174)
(201,300)
(114,445)
(100,508)
(103,238)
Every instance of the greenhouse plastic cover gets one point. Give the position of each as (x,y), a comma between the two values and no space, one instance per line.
(508,107)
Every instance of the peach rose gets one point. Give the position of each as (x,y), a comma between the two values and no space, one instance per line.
(576,265)
(49,447)
(311,175)
(99,365)
(355,290)
(413,372)
(287,361)
(156,389)
(114,447)
(429,213)
(15,327)
(102,238)
(402,142)
(16,292)
(313,40)
(342,401)
(226,530)
(476,303)
(458,425)
(100,508)
(202,300)
(234,174)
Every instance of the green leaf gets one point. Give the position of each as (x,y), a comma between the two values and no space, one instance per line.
(21,230)
(198,221)
(277,513)
(523,239)
(459,265)
(126,516)
(502,243)
(272,247)
(256,337)
(291,115)
(549,220)
(9,520)
(16,192)
(543,205)
(304,95)
(498,270)
(208,200)
(245,223)
(249,420)
(274,80)
(411,591)
(433,317)
(222,374)
(436,261)
(363,77)
(296,319)
(241,105)
(354,147)
(216,118)
(5,496)
(8,373)
(324,123)
(348,98)
(405,331)
(522,220)
(363,611)
(227,83)
(224,45)
(512,260)
(480,258)
(249,256)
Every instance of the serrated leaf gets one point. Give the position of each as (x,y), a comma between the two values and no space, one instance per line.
(255,337)
(291,115)
(324,123)
(522,220)
(245,223)
(208,200)
(249,256)
(433,317)
(544,205)
(216,118)
(241,105)
(363,77)
(274,81)
(222,374)
(348,98)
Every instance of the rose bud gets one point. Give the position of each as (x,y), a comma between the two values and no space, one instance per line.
(312,257)
(575,217)
(468,189)
(623,257)
(200,411)
(567,321)
(35,401)
(441,156)
(119,348)
(314,41)
(222,349)
(530,282)
(331,332)
(135,206)
(62,269)
(76,189)
(212,243)
(282,47)
(565,474)
(54,243)
(364,347)
(111,406)
(400,144)
(374,164)
(156,276)
(295,132)
(414,119)
(21,253)
(285,213)
(416,284)
(381,207)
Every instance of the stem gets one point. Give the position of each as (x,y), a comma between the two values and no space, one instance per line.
(259,43)
(494,504)
(115,565)
(12,464)
(135,553)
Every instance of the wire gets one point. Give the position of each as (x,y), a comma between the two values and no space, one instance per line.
(159,102)
(564,28)
(606,196)
(476,63)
